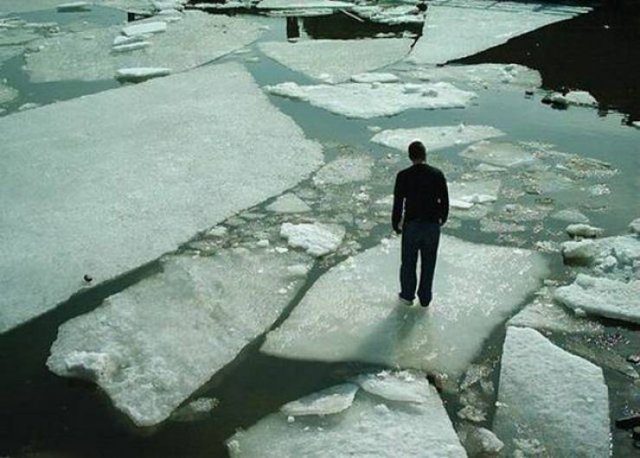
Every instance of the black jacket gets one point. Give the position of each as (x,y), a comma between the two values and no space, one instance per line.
(421,190)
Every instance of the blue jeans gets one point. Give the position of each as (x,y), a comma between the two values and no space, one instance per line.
(423,238)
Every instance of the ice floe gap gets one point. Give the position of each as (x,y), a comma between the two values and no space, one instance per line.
(351,312)
(152,345)
(460,28)
(368,426)
(98,54)
(166,143)
(435,138)
(361,100)
(550,400)
(333,61)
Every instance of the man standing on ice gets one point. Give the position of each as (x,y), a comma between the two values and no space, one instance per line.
(420,207)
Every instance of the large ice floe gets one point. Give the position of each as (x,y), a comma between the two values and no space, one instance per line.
(460,28)
(351,312)
(363,100)
(483,75)
(152,345)
(550,402)
(372,425)
(98,54)
(435,138)
(80,182)
(333,60)
(501,154)
(603,296)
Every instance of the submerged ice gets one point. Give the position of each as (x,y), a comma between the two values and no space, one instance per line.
(105,171)
(152,345)
(351,312)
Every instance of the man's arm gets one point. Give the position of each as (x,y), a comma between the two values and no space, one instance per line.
(444,200)
(398,203)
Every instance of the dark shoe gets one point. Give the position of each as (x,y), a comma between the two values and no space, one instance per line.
(424,305)
(404,301)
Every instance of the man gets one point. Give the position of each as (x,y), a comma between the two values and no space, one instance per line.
(421,195)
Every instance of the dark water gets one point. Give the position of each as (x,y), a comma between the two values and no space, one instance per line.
(45,415)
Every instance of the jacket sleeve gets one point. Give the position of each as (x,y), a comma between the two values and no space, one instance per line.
(444,200)
(398,204)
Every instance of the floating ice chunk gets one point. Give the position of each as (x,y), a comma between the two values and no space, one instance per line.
(7,93)
(289,203)
(333,60)
(435,138)
(551,396)
(634,226)
(174,157)
(367,428)
(144,28)
(465,27)
(199,38)
(400,386)
(73,7)
(578,98)
(374,78)
(570,215)
(302,4)
(625,249)
(317,239)
(350,313)
(401,14)
(346,169)
(326,402)
(479,441)
(603,296)
(196,410)
(141,73)
(360,100)
(502,154)
(483,75)
(584,230)
(474,192)
(131,46)
(164,337)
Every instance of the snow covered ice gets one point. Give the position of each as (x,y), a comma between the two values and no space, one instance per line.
(351,312)
(152,345)
(333,60)
(361,100)
(550,397)
(501,154)
(603,296)
(435,138)
(371,426)
(112,194)
(326,402)
(316,239)
(460,28)
(91,55)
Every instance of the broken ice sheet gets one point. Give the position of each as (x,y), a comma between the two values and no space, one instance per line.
(326,402)
(368,428)
(435,138)
(351,312)
(161,339)
(86,142)
(482,75)
(460,28)
(362,100)
(502,154)
(551,396)
(88,55)
(333,60)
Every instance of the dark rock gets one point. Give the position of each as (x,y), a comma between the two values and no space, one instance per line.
(628,422)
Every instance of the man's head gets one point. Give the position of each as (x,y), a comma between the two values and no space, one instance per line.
(417,152)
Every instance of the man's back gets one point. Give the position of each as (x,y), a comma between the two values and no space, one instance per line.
(422,191)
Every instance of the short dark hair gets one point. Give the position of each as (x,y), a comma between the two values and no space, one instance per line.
(417,151)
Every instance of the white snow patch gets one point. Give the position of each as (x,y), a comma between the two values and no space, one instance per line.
(501,154)
(152,345)
(460,28)
(351,312)
(289,203)
(367,428)
(361,100)
(116,167)
(333,60)
(550,396)
(316,239)
(603,296)
(326,402)
(435,138)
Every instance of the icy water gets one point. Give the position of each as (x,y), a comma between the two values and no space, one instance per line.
(45,415)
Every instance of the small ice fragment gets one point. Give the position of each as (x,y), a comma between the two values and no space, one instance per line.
(143,28)
(141,73)
(329,401)
(584,230)
(316,238)
(73,7)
